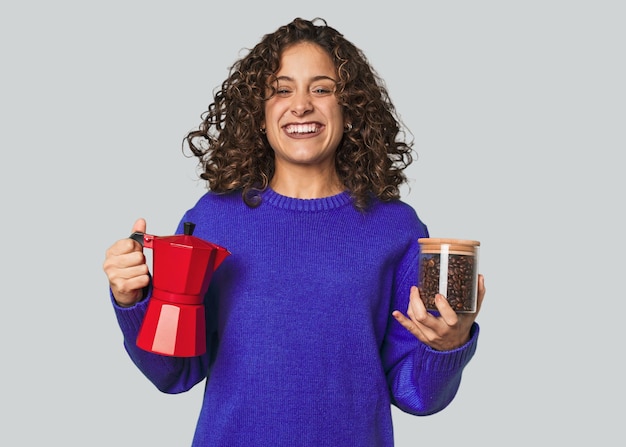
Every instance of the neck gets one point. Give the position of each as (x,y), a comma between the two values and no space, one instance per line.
(306,185)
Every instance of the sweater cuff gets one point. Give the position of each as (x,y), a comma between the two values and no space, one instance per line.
(131,318)
(433,360)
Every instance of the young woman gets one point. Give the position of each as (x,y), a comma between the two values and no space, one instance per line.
(314,324)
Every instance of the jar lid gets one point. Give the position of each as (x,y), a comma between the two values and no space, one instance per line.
(439,241)
(433,245)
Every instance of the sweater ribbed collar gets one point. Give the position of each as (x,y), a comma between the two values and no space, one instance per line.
(271,197)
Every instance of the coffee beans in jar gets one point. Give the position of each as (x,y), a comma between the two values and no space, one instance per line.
(449,267)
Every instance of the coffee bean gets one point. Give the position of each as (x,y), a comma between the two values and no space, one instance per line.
(461,281)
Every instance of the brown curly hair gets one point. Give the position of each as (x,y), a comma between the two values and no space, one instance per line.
(234,155)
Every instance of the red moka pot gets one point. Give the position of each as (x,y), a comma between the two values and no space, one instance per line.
(183,266)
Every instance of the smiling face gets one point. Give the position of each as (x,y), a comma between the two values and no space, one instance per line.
(303,120)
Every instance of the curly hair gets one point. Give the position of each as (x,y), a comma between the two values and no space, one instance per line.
(234,155)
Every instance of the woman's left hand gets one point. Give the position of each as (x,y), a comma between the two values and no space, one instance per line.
(448,331)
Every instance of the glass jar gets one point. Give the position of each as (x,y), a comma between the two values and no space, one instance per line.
(449,267)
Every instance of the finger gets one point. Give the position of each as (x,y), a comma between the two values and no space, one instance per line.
(123,247)
(407,324)
(425,321)
(139,226)
(117,265)
(481,292)
(446,311)
(417,310)
(133,259)
(121,277)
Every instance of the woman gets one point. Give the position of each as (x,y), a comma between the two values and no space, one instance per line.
(307,343)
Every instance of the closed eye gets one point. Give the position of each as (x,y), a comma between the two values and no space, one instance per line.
(322,91)
(283,91)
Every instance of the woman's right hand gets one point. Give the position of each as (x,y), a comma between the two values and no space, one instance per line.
(126,268)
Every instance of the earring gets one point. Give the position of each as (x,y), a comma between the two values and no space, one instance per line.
(348,127)
(262,130)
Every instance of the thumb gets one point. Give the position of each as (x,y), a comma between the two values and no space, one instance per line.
(139,226)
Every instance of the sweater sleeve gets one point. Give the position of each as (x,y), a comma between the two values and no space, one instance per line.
(421,380)
(170,375)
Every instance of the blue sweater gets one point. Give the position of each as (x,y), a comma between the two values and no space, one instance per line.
(302,349)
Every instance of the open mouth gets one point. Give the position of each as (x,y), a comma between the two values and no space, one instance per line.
(302,129)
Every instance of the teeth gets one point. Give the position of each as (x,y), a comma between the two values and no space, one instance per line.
(301,128)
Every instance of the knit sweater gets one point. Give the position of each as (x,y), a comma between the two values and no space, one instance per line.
(302,349)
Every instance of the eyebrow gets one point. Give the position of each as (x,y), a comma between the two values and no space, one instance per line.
(313,79)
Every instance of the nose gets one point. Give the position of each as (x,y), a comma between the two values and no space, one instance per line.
(301,103)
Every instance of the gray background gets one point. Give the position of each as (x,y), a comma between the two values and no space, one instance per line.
(518,112)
